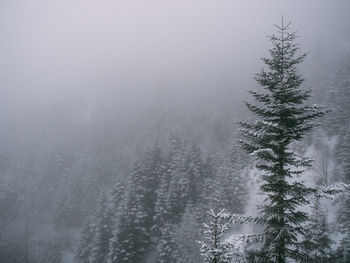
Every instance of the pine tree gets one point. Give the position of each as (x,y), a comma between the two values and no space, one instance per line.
(166,247)
(342,152)
(339,122)
(113,242)
(132,238)
(214,248)
(317,241)
(283,118)
(83,253)
(69,210)
(179,182)
(220,187)
(167,193)
(193,172)
(210,192)
(185,235)
(344,222)
(118,192)
(338,100)
(117,207)
(102,232)
(137,223)
(230,184)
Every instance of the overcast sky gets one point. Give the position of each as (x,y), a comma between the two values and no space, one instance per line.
(86,49)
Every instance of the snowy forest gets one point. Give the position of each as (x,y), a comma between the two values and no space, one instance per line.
(187,131)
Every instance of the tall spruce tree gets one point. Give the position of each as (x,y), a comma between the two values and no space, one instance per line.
(283,118)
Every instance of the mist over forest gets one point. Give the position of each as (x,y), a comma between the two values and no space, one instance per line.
(121,121)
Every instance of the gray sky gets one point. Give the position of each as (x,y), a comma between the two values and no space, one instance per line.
(138,50)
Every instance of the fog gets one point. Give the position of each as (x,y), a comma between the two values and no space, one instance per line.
(134,56)
(91,49)
(87,85)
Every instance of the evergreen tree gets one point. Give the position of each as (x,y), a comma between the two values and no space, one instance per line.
(83,253)
(230,184)
(317,240)
(239,159)
(210,193)
(193,173)
(220,188)
(102,232)
(239,164)
(137,223)
(339,96)
(339,122)
(178,180)
(283,119)
(342,152)
(166,192)
(133,238)
(167,247)
(162,206)
(71,206)
(344,222)
(117,207)
(185,235)
(214,248)
(118,193)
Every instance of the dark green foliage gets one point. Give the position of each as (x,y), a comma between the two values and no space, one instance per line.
(283,118)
